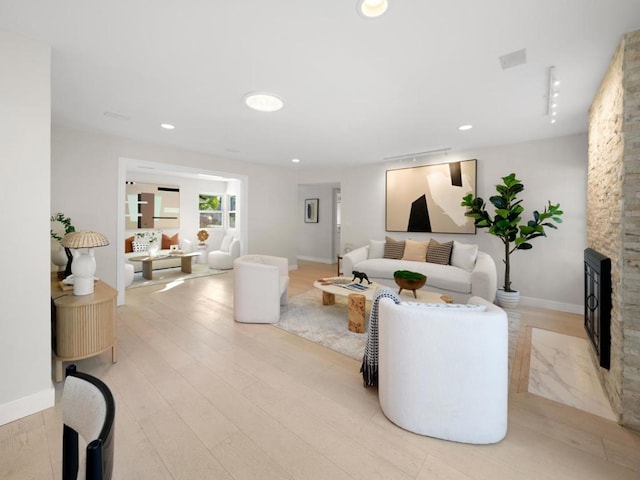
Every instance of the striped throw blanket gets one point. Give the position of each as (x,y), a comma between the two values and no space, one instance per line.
(369,366)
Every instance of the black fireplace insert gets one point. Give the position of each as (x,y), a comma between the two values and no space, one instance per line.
(597,303)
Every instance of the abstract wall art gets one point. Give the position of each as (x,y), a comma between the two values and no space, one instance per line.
(427,198)
(311,210)
(152,206)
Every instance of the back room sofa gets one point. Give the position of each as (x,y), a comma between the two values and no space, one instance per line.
(456,269)
(137,245)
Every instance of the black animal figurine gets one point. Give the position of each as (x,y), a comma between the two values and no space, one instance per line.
(361,276)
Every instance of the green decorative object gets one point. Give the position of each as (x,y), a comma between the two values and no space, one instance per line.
(506,221)
(66,221)
(408,275)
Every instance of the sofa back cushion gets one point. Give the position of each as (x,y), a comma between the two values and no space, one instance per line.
(376,248)
(464,255)
(393,249)
(226,242)
(128,244)
(139,247)
(439,252)
(415,251)
(167,241)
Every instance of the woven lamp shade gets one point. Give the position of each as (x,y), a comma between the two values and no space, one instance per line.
(84,239)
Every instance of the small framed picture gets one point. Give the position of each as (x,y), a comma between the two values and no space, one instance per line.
(311,210)
(174,248)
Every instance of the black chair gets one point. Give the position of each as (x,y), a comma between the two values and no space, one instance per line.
(88,409)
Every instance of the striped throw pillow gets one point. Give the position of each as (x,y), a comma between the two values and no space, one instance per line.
(393,249)
(439,252)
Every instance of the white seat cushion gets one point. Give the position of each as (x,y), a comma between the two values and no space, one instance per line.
(445,277)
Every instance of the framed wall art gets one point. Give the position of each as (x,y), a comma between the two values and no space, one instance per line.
(152,206)
(427,198)
(311,210)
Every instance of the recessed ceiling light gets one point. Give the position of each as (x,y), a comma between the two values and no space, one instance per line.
(372,8)
(263,101)
(167,126)
(462,128)
(295,160)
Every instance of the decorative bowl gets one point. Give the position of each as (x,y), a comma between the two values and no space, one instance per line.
(407,280)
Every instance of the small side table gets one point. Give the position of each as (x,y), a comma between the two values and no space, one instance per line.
(84,325)
(203,250)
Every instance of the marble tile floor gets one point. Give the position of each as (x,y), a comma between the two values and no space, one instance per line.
(562,370)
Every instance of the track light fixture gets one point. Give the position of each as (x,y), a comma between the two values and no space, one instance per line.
(552,95)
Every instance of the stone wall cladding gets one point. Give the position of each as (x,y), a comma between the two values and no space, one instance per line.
(613,217)
(604,204)
(631,234)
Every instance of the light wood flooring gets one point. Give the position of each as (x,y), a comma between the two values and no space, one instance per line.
(201,397)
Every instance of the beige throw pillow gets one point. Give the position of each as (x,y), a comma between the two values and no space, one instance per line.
(439,252)
(415,251)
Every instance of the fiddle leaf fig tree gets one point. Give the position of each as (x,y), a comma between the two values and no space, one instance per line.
(506,221)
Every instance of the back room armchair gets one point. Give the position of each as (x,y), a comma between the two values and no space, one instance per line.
(260,288)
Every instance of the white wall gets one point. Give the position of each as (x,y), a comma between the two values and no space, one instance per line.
(315,239)
(85,187)
(551,274)
(25,287)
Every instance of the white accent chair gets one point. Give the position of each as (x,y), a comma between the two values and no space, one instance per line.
(260,287)
(128,274)
(443,372)
(223,258)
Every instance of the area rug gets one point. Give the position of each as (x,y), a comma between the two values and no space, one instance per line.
(167,275)
(306,317)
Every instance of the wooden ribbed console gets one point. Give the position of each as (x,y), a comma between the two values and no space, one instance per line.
(84,325)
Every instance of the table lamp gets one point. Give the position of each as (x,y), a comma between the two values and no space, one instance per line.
(83,266)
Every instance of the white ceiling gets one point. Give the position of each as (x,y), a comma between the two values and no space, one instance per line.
(356,91)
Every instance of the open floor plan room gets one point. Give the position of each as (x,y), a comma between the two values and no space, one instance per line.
(201,396)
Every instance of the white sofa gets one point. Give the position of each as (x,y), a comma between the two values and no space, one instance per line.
(143,238)
(260,284)
(472,272)
(443,372)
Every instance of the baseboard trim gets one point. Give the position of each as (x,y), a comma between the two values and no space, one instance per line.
(314,259)
(25,406)
(551,305)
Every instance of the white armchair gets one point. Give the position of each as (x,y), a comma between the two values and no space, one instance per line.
(223,258)
(260,287)
(443,371)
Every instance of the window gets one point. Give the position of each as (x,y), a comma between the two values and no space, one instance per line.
(210,211)
(231,211)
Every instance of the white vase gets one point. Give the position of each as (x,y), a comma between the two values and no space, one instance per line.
(152,249)
(508,299)
(58,256)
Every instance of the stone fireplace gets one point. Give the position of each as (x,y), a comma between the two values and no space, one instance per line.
(613,218)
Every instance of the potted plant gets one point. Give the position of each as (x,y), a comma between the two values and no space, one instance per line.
(56,234)
(506,225)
